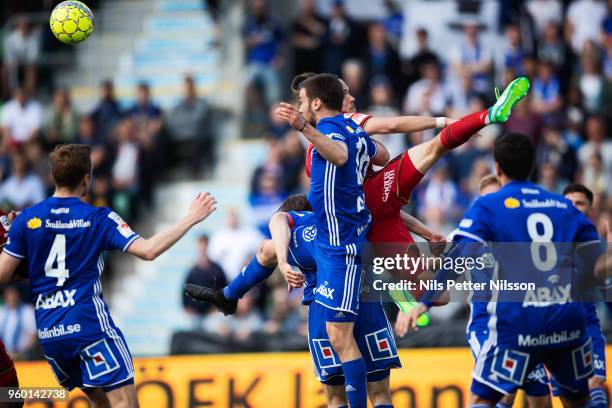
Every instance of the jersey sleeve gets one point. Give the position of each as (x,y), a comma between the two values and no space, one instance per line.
(360,119)
(477,224)
(372,147)
(16,244)
(332,131)
(117,233)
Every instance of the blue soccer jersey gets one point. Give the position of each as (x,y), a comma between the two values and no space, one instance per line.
(336,193)
(301,249)
(62,240)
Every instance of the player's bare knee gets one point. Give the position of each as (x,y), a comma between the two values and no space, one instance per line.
(266,254)
(537,402)
(508,399)
(597,382)
(379,393)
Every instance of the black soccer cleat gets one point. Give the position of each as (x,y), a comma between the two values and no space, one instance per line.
(213,296)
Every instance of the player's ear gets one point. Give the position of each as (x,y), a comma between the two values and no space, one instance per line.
(315,104)
(498,171)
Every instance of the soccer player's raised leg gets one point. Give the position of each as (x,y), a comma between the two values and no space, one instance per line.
(426,154)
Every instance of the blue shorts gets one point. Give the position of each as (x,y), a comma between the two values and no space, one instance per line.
(373,335)
(599,349)
(500,370)
(104,362)
(339,279)
(536,383)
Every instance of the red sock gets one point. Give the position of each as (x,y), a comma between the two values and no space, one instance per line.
(459,132)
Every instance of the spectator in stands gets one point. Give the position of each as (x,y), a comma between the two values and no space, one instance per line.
(277,127)
(380,58)
(147,118)
(525,120)
(551,47)
(427,95)
(124,169)
(265,56)
(546,91)
(61,121)
(514,52)
(607,43)
(307,36)
(595,176)
(555,150)
(382,105)
(21,119)
(17,324)
(461,97)
(100,191)
(424,55)
(597,142)
(267,184)
(339,39)
(548,178)
(233,244)
(544,13)
(473,58)
(583,22)
(188,124)
(284,315)
(596,90)
(21,55)
(293,161)
(394,23)
(39,164)
(204,272)
(99,149)
(107,113)
(241,325)
(23,188)
(439,208)
(354,75)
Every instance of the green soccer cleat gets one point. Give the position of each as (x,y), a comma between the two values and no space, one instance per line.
(514,92)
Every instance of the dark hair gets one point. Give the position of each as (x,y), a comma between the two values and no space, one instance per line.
(514,153)
(298,79)
(296,202)
(70,163)
(325,87)
(579,188)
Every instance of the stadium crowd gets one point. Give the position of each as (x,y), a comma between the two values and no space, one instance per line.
(563,47)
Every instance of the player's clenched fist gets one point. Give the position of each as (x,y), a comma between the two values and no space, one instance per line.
(202,206)
(290,114)
(295,279)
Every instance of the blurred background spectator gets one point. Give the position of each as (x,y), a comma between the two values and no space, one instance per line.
(17,325)
(206,273)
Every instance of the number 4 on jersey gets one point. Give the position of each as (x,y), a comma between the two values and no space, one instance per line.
(57,255)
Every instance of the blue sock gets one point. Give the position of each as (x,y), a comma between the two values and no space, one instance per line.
(599,398)
(355,381)
(250,276)
(383,406)
(502,405)
(479,406)
(344,406)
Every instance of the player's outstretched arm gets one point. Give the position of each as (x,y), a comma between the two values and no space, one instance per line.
(417,227)
(8,266)
(333,151)
(404,124)
(149,249)
(281,235)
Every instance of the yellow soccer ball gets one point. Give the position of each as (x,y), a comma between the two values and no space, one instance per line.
(71,22)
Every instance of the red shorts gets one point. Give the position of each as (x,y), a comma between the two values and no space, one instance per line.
(386,192)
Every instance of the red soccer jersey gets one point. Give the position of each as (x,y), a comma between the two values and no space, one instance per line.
(8,376)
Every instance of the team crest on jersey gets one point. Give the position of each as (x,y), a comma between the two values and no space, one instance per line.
(325,354)
(511,365)
(583,360)
(511,203)
(122,226)
(380,345)
(309,233)
(34,223)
